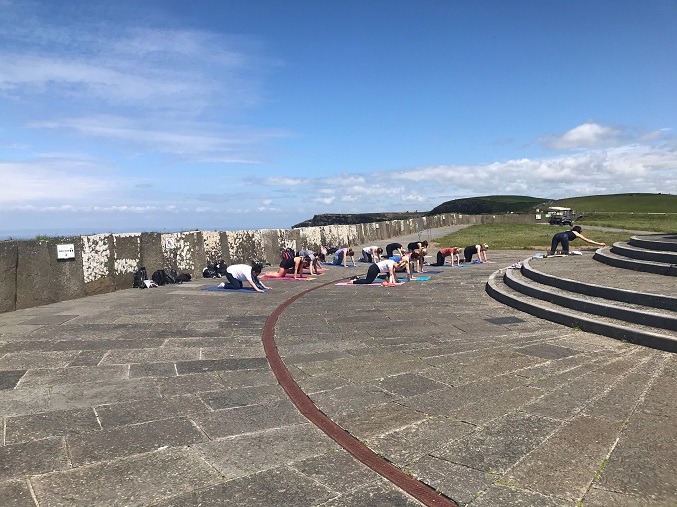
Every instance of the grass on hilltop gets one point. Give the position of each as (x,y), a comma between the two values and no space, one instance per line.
(621,203)
(512,236)
(631,221)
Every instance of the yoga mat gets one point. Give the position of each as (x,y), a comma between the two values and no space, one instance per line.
(431,271)
(243,289)
(264,277)
(416,279)
(375,284)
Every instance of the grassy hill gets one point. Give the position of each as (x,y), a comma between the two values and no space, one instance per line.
(622,203)
(489,204)
(636,211)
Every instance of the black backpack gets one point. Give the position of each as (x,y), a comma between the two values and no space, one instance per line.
(221,267)
(160,277)
(183,277)
(139,277)
(210,272)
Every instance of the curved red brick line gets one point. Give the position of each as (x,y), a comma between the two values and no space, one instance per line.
(417,489)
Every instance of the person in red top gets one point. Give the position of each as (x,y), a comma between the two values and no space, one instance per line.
(448,252)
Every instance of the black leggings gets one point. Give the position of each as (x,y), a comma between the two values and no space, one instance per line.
(233,283)
(372,273)
(440,260)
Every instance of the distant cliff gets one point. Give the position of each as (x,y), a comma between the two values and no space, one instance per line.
(358,218)
(490,204)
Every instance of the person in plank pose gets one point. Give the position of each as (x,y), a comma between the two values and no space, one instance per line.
(566,236)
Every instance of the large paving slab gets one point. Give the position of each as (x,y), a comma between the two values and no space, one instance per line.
(164,397)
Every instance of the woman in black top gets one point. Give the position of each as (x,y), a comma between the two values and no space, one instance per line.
(566,236)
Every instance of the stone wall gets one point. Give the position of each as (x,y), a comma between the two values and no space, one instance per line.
(31,275)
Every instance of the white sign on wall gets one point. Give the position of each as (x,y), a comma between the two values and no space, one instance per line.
(65,251)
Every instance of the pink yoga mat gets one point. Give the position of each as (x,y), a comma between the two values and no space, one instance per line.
(375,284)
(264,277)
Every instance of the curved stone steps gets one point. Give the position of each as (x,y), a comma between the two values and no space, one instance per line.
(628,312)
(611,258)
(661,301)
(644,254)
(622,330)
(663,242)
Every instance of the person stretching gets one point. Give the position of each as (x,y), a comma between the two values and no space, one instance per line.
(297,264)
(371,253)
(390,249)
(566,236)
(238,273)
(448,252)
(386,266)
(341,257)
(480,250)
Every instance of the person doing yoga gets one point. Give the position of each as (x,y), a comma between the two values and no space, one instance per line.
(390,249)
(386,266)
(238,273)
(448,252)
(566,236)
(296,264)
(480,250)
(371,253)
(341,257)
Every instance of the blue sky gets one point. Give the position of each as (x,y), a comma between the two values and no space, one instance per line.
(168,115)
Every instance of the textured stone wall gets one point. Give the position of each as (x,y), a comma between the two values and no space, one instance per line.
(31,275)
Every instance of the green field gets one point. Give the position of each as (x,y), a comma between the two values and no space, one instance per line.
(511,236)
(621,203)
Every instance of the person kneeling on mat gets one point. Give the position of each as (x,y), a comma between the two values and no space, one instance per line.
(480,250)
(238,273)
(386,266)
(566,236)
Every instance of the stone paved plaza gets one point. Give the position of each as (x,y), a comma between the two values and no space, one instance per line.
(164,397)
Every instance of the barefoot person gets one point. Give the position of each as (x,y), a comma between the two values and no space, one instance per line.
(297,264)
(386,266)
(448,252)
(566,236)
(480,250)
(341,257)
(238,273)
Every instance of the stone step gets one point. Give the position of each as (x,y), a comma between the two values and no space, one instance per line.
(590,273)
(622,311)
(613,328)
(611,258)
(626,249)
(664,242)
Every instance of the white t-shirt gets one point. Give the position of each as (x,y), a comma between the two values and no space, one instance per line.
(242,272)
(384,266)
(368,249)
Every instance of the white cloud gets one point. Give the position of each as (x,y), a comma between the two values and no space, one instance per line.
(324,200)
(276,181)
(627,168)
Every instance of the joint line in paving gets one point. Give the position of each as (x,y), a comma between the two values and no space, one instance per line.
(422,492)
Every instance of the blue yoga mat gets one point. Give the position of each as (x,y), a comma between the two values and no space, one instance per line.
(417,279)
